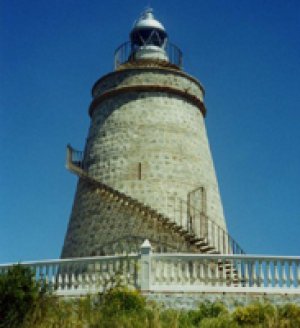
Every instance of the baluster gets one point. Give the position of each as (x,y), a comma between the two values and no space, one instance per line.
(186,275)
(201,272)
(246,274)
(84,274)
(135,269)
(294,273)
(254,273)
(252,268)
(260,280)
(87,277)
(115,267)
(66,281)
(157,266)
(153,272)
(232,272)
(112,272)
(124,270)
(178,271)
(60,282)
(283,274)
(240,273)
(104,277)
(39,273)
(172,271)
(101,282)
(166,271)
(218,273)
(213,269)
(53,276)
(270,276)
(194,276)
(266,277)
(134,275)
(73,281)
(297,273)
(276,273)
(161,271)
(92,280)
(104,274)
(46,279)
(289,273)
(79,281)
(205,272)
(94,275)
(128,267)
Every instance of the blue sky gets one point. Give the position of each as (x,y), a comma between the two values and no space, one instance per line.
(245,53)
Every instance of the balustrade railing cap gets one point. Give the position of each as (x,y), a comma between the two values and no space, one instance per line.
(146,244)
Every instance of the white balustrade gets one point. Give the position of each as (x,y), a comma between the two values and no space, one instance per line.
(169,272)
(196,272)
(83,275)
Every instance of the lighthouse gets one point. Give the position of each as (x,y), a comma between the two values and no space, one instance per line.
(146,171)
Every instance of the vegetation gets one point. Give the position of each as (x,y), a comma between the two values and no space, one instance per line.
(19,293)
(25,303)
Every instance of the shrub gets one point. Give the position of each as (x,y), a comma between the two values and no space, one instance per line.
(121,307)
(122,299)
(207,310)
(289,315)
(19,293)
(254,314)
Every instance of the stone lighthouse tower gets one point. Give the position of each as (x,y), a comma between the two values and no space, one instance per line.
(146,171)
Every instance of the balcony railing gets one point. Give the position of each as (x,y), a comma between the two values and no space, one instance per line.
(171,272)
(125,53)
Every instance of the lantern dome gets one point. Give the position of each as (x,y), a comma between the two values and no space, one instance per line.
(148,37)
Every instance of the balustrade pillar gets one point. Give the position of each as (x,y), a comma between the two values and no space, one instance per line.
(145,265)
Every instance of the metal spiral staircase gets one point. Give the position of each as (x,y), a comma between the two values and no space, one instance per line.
(200,232)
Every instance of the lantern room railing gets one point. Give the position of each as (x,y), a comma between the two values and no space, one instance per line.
(125,53)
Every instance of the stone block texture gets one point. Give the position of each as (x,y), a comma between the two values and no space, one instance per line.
(147,139)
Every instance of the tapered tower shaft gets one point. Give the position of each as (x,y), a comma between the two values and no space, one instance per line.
(147,141)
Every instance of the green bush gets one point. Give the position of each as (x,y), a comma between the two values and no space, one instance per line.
(19,294)
(289,315)
(122,299)
(207,310)
(121,307)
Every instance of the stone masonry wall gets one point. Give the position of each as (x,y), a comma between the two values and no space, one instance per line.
(159,133)
(143,76)
(187,300)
